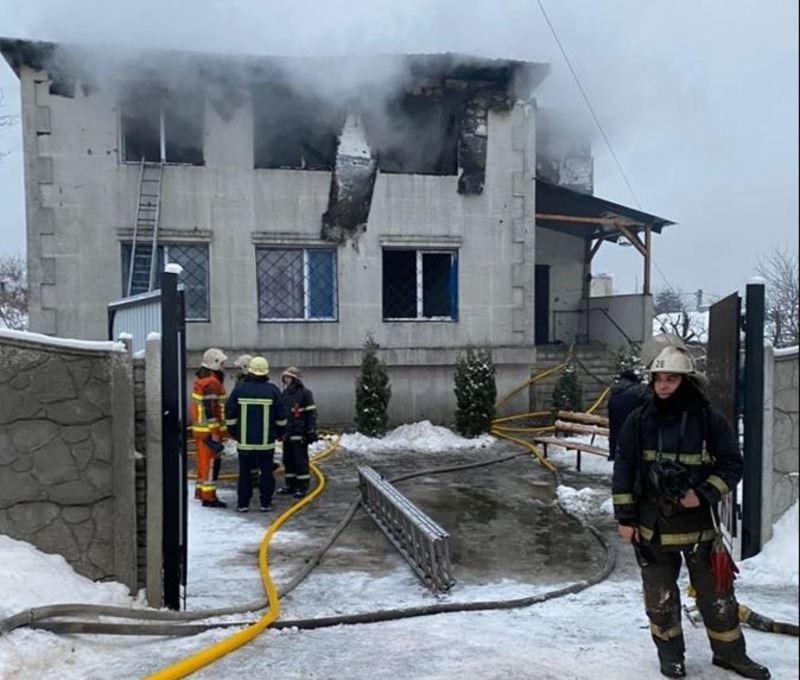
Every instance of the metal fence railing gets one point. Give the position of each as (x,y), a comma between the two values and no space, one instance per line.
(420,540)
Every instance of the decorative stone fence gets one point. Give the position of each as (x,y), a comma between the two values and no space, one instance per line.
(781,426)
(66,451)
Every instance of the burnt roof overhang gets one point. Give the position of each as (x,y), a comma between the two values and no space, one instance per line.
(523,76)
(589,217)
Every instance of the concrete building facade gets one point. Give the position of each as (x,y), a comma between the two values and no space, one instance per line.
(305,221)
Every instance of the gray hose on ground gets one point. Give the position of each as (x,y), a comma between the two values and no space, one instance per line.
(33,617)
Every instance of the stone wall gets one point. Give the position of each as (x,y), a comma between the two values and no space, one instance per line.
(781,430)
(66,453)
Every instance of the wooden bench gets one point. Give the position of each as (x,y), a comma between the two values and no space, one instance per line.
(568,424)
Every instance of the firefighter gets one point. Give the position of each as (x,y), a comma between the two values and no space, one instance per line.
(301,430)
(677,457)
(208,424)
(241,364)
(255,415)
(626,394)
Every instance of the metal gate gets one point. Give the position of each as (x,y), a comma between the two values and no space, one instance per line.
(163,312)
(736,386)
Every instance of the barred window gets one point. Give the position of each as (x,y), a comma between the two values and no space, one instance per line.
(296,284)
(193,258)
(420,285)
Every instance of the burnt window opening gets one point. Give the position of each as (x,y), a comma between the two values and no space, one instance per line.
(420,285)
(161,127)
(293,131)
(419,136)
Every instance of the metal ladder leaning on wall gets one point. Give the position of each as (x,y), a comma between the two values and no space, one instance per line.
(420,540)
(144,248)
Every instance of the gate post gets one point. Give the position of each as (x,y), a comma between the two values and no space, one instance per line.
(753,418)
(174,479)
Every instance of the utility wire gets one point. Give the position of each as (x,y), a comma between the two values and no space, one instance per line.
(588,103)
(597,123)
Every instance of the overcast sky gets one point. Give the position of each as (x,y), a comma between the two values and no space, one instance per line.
(698,98)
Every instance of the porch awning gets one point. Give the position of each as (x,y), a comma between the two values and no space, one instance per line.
(589,217)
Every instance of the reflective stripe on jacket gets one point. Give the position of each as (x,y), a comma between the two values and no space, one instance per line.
(207,403)
(254,414)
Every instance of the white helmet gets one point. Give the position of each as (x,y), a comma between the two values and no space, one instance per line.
(214,359)
(242,362)
(672,360)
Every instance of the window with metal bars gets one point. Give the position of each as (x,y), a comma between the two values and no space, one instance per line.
(420,285)
(192,257)
(296,284)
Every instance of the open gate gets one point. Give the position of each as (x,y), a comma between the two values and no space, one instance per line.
(736,387)
(163,312)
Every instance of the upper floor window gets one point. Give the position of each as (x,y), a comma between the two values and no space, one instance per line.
(420,285)
(296,284)
(192,257)
(162,127)
(293,131)
(417,135)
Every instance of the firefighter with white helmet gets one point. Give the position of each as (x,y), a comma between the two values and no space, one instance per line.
(208,424)
(242,363)
(676,458)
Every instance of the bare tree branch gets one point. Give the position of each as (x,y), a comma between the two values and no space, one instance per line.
(13,293)
(780,272)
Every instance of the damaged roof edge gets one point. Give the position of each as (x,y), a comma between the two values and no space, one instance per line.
(38,54)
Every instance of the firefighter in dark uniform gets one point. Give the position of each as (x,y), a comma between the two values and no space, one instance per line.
(626,394)
(255,417)
(677,456)
(301,430)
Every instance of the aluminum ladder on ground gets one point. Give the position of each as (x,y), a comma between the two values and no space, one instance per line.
(144,248)
(420,540)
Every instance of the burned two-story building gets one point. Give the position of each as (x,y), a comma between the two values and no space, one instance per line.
(422,199)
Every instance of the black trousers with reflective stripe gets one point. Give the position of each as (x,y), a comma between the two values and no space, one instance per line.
(662,600)
(295,462)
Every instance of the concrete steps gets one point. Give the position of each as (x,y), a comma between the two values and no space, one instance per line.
(596,367)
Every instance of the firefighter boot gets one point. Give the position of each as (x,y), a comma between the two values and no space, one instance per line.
(673,669)
(743,666)
(216,503)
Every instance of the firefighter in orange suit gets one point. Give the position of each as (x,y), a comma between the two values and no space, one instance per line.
(208,423)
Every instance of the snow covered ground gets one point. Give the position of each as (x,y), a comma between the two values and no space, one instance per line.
(598,633)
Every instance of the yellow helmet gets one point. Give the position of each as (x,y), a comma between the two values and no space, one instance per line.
(258,366)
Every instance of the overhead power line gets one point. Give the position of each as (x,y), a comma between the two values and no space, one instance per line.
(597,123)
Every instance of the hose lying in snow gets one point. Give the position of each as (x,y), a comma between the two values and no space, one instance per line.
(36,617)
(763,623)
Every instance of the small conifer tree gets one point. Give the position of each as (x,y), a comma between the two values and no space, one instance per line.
(373,392)
(475,390)
(628,359)
(568,393)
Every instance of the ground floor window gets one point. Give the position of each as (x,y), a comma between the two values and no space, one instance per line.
(420,285)
(296,284)
(193,259)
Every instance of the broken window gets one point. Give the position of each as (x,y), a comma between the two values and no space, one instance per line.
(193,259)
(293,131)
(418,135)
(296,284)
(420,284)
(160,126)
